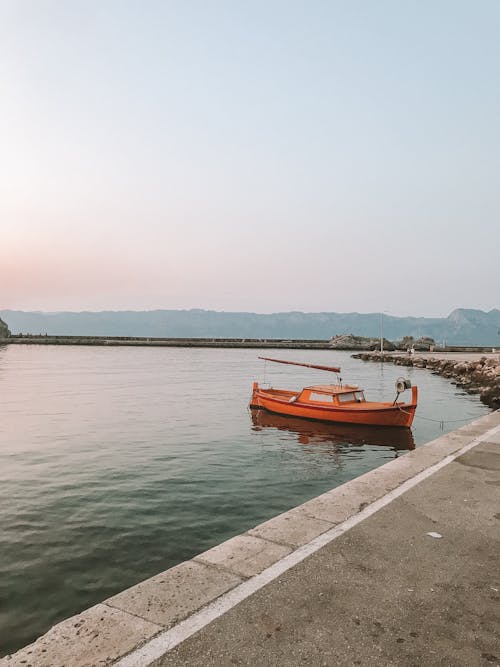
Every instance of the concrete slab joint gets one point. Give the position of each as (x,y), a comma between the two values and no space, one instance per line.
(244,555)
(172,595)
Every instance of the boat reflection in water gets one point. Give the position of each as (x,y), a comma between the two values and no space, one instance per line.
(320,433)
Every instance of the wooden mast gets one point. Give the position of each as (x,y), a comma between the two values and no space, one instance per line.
(333,369)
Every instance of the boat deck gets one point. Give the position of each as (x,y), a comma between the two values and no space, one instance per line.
(348,405)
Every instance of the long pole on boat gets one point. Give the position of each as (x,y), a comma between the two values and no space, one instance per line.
(332,369)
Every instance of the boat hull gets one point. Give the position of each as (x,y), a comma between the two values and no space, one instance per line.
(367,413)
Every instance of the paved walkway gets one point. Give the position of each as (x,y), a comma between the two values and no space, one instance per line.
(386,592)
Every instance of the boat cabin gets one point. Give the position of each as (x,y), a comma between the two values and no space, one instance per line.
(332,394)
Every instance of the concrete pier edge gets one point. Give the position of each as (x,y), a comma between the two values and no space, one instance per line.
(142,623)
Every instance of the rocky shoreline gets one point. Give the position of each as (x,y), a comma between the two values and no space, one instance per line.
(480,376)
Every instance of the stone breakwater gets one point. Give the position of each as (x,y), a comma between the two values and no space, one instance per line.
(31,339)
(479,376)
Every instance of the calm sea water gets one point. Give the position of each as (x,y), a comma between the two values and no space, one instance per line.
(117,463)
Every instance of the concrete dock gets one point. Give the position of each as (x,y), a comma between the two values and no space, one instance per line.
(416,583)
(400,566)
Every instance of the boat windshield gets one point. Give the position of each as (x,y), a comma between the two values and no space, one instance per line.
(323,398)
(351,396)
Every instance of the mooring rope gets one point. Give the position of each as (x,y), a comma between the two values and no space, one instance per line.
(441,422)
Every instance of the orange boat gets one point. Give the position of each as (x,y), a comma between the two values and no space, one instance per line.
(336,402)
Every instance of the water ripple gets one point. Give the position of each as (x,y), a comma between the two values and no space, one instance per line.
(117,463)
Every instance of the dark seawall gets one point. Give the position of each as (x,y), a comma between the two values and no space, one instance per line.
(24,339)
(284,343)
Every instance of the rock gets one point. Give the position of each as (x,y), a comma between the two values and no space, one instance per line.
(387,345)
(351,342)
(406,343)
(422,344)
(491,396)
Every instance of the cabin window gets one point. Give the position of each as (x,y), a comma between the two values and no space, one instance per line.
(359,396)
(346,398)
(324,398)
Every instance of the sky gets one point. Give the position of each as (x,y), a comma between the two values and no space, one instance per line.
(250,156)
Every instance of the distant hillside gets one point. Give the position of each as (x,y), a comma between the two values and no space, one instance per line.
(461,327)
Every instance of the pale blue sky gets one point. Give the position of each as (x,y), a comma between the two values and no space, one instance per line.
(262,156)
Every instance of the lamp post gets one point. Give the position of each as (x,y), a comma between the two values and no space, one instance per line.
(382,331)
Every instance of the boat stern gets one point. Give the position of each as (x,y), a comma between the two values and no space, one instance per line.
(254,401)
(410,408)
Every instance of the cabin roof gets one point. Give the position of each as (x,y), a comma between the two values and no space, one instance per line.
(333,388)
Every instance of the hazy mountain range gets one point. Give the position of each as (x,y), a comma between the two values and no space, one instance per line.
(461,327)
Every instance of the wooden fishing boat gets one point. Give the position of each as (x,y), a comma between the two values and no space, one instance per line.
(340,403)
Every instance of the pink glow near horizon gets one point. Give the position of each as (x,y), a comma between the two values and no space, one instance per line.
(319,160)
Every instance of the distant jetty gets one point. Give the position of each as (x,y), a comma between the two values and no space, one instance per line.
(344,342)
(29,339)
